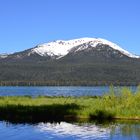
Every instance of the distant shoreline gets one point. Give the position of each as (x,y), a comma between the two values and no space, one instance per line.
(66,83)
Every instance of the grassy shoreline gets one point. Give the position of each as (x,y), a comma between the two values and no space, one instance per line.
(123,104)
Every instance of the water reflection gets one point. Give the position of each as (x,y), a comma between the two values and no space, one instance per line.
(129,130)
(83,131)
(113,130)
(71,131)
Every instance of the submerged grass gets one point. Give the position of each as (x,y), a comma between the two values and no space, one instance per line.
(117,104)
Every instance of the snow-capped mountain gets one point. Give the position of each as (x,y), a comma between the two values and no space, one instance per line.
(60,48)
(84,61)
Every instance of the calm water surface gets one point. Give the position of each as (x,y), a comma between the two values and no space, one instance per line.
(70,131)
(55,91)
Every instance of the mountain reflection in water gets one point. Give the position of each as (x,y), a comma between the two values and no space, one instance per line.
(84,131)
(70,131)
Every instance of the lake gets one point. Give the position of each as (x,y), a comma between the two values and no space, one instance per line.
(56,91)
(70,131)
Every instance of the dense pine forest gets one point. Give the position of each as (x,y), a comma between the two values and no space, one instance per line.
(70,71)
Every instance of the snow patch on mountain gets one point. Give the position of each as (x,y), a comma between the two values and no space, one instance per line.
(61,48)
(3,55)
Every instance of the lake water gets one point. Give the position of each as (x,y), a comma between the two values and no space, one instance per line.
(70,131)
(55,91)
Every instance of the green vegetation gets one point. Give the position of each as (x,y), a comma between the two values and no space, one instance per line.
(120,104)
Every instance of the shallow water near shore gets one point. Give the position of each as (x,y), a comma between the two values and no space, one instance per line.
(70,131)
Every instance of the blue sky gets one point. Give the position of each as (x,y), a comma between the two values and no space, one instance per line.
(26,23)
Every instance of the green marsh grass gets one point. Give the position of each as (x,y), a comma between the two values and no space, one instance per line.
(117,104)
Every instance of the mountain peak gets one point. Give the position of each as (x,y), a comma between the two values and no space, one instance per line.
(60,48)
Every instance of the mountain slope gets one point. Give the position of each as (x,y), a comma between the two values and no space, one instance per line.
(58,49)
(86,61)
(61,48)
(3,56)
